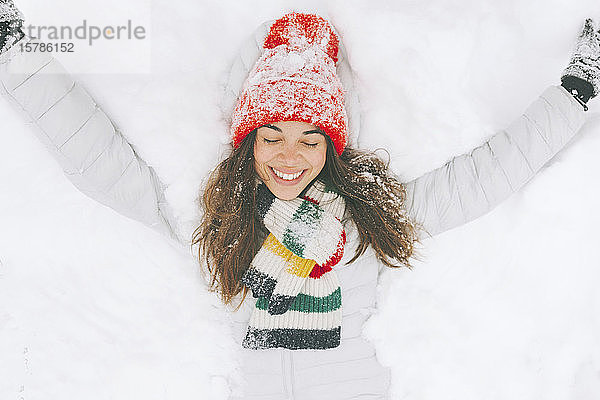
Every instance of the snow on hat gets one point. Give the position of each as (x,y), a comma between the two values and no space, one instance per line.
(294,80)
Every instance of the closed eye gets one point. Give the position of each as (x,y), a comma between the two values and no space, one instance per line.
(269,141)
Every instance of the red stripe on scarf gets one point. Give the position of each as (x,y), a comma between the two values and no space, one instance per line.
(310,199)
(319,270)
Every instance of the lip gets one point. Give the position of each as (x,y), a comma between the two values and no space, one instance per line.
(283,181)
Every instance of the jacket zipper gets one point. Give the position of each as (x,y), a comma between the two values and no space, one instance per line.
(288,372)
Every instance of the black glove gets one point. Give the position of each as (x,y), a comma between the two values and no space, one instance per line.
(582,76)
(11,23)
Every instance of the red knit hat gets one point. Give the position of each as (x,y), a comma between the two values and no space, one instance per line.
(294,80)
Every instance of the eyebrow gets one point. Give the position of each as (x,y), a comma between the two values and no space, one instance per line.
(305,132)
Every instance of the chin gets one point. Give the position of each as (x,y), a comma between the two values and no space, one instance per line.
(285,194)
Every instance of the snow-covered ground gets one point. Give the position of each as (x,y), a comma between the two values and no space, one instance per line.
(96,306)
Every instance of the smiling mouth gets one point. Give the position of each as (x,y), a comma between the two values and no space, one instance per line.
(286,176)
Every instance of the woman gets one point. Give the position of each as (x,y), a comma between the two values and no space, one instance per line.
(294,213)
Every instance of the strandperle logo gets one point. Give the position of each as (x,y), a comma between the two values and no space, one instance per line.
(86,31)
(95,45)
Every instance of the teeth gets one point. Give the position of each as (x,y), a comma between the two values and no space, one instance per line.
(287,177)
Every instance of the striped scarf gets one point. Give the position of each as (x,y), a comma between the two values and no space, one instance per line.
(299,300)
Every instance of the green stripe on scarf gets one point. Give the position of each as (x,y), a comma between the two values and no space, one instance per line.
(306,303)
(305,222)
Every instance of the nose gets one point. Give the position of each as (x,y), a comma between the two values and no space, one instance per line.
(289,153)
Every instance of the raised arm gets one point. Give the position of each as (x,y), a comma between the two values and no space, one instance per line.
(95,156)
(472,184)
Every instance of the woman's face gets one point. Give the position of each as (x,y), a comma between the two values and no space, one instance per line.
(288,155)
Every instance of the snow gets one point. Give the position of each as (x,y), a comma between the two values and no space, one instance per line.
(95,306)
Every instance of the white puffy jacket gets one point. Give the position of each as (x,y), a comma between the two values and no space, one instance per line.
(99,161)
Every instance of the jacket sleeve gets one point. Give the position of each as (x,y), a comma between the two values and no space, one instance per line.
(472,184)
(94,155)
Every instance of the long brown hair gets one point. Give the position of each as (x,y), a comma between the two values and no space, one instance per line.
(230,233)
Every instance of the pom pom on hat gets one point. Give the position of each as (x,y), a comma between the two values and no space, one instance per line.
(294,80)
(300,31)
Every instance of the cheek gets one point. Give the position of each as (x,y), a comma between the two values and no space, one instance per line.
(317,161)
(260,157)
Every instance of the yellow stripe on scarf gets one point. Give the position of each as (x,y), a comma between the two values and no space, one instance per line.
(295,265)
